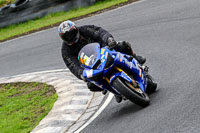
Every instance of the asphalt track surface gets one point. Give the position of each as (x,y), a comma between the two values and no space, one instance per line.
(166,32)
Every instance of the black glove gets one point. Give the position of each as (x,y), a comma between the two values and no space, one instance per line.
(111,42)
(83,78)
(81,75)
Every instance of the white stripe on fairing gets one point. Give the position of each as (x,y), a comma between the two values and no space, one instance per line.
(108,100)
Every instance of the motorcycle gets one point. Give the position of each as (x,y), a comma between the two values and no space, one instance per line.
(117,73)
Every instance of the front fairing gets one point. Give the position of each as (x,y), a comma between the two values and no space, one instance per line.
(133,66)
(140,75)
(95,60)
(89,55)
(97,64)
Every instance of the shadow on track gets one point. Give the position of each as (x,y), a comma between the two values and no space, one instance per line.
(125,108)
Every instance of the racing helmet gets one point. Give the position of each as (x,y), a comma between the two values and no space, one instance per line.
(68,32)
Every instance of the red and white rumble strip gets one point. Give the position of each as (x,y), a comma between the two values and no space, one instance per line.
(75,104)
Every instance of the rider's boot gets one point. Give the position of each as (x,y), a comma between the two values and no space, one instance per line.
(140,59)
(92,87)
(118,98)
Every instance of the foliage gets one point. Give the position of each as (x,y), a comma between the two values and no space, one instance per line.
(5,2)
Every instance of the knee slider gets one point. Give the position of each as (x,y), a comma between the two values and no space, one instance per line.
(127,44)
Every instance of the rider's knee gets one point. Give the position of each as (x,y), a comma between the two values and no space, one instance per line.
(124,45)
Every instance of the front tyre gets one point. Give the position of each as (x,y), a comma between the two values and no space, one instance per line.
(130,93)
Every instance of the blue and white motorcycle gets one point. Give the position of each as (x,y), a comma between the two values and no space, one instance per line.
(117,73)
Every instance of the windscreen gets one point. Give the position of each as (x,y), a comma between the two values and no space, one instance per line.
(88,54)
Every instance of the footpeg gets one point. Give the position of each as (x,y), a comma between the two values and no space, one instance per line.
(146,69)
(104,92)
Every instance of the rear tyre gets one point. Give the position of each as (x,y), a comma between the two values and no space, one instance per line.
(130,93)
(151,84)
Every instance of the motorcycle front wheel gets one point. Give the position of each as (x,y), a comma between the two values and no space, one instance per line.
(126,89)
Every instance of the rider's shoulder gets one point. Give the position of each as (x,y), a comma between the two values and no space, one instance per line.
(86,27)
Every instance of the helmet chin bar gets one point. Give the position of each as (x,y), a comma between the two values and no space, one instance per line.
(76,39)
(70,44)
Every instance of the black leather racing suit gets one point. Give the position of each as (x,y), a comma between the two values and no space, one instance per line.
(88,34)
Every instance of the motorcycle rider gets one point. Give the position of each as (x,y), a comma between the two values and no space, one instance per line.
(75,38)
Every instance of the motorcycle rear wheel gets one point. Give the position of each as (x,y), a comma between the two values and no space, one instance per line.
(126,90)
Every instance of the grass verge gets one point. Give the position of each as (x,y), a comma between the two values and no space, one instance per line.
(23,105)
(5,2)
(54,19)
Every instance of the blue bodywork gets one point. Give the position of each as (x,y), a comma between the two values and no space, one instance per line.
(99,62)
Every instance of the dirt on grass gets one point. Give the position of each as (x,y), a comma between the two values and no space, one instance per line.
(27,88)
(23,105)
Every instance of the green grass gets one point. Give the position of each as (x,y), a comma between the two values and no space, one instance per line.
(5,2)
(17,29)
(23,105)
